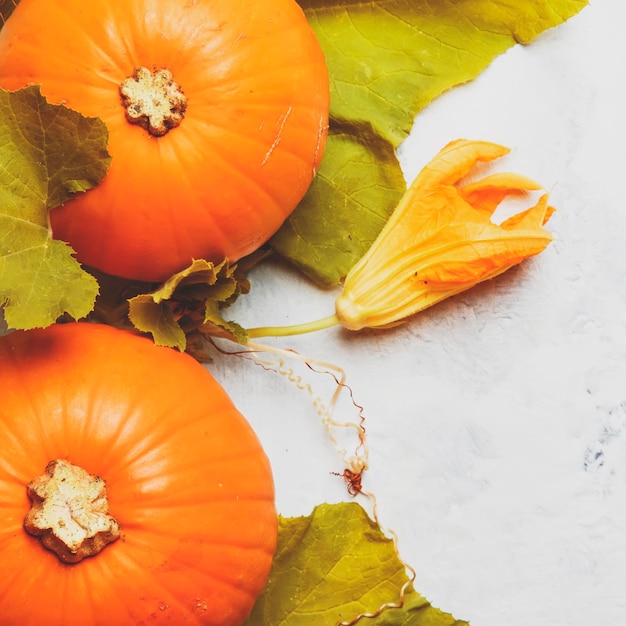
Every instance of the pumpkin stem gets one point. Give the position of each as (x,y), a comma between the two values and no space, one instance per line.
(153,100)
(70,512)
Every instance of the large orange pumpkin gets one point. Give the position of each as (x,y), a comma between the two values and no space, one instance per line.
(186,479)
(225,157)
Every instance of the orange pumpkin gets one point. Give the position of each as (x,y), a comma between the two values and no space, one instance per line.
(186,480)
(227,152)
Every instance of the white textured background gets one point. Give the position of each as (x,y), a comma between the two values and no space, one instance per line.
(496,420)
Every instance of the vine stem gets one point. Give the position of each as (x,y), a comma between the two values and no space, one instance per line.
(295,329)
(357,463)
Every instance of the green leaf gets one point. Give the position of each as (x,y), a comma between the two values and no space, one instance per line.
(189,302)
(47,154)
(334,566)
(387,60)
(216,326)
(150,315)
(361,179)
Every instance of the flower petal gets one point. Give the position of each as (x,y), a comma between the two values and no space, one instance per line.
(440,240)
(488,192)
(456,160)
(531,218)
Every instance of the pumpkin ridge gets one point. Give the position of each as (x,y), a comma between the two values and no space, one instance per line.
(173,558)
(27,395)
(247,182)
(159,442)
(166,590)
(22,582)
(156,504)
(120,591)
(6,466)
(69,19)
(234,584)
(242,133)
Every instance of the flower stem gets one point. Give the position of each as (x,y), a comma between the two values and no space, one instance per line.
(295,329)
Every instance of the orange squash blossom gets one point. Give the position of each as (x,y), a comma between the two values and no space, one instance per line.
(440,239)
(131,489)
(217,115)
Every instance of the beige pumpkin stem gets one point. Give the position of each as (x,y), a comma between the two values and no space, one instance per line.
(70,512)
(153,100)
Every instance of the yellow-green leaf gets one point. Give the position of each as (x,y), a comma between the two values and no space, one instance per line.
(156,318)
(189,302)
(387,60)
(361,178)
(47,154)
(335,565)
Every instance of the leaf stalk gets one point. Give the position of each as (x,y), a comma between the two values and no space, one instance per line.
(295,329)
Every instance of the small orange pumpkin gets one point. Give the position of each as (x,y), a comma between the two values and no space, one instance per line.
(217,114)
(186,480)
